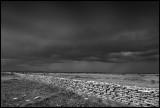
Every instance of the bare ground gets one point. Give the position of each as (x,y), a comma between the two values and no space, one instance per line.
(24,93)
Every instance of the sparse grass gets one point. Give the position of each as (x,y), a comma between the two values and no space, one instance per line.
(50,96)
(3,74)
(154,82)
(83,77)
(23,90)
(141,80)
(56,97)
(66,99)
(134,79)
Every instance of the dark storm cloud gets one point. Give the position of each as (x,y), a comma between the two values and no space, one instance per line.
(44,33)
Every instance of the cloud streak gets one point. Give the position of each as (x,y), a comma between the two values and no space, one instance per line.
(150,55)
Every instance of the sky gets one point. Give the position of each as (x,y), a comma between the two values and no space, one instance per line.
(80,36)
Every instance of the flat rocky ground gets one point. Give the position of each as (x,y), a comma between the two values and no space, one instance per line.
(141,80)
(16,92)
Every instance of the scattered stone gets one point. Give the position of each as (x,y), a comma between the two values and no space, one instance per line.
(27,100)
(15,98)
(36,97)
(86,98)
(148,96)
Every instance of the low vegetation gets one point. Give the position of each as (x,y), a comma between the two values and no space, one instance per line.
(24,93)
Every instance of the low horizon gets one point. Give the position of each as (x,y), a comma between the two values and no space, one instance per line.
(77,72)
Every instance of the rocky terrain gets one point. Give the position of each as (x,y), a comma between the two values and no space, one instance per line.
(129,95)
(16,92)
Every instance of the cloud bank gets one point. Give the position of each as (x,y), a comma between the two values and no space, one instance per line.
(80,36)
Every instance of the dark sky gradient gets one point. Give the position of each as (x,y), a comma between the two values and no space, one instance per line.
(80,36)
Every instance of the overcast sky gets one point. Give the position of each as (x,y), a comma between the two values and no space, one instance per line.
(80,36)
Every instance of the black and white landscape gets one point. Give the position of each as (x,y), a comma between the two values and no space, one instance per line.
(115,42)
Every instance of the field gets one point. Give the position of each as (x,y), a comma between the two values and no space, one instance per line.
(17,92)
(140,80)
